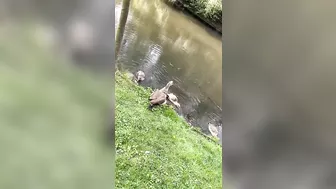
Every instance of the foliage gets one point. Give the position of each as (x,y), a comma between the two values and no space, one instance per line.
(158,149)
(209,9)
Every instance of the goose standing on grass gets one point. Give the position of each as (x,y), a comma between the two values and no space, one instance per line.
(139,76)
(159,97)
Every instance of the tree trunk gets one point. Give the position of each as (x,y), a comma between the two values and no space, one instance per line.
(121,27)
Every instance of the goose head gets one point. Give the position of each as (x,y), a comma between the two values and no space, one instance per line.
(140,76)
(169,84)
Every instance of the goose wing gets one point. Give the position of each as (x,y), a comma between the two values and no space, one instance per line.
(161,98)
(155,94)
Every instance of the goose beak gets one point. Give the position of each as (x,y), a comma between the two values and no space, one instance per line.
(170,83)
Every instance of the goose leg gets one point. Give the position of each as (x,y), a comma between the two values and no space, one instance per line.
(150,107)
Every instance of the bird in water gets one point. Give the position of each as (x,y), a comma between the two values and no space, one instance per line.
(215,131)
(139,76)
(160,97)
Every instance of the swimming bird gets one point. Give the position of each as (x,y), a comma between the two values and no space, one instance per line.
(214,130)
(173,99)
(139,76)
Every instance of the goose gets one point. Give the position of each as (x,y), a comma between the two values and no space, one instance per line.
(214,130)
(159,97)
(173,99)
(139,76)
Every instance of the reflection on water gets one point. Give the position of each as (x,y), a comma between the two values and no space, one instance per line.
(168,45)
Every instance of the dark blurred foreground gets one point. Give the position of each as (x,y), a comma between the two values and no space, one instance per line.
(279,78)
(56,123)
(81,29)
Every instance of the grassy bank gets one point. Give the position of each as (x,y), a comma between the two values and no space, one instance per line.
(158,149)
(208,11)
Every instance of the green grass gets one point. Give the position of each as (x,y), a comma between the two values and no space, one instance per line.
(51,121)
(209,9)
(158,149)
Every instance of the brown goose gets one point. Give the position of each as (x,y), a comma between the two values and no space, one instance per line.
(159,97)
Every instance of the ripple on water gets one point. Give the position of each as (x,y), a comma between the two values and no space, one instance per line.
(167,52)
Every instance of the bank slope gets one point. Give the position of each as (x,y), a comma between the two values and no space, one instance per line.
(206,11)
(158,149)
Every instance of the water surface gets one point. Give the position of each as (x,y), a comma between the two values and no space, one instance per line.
(169,45)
